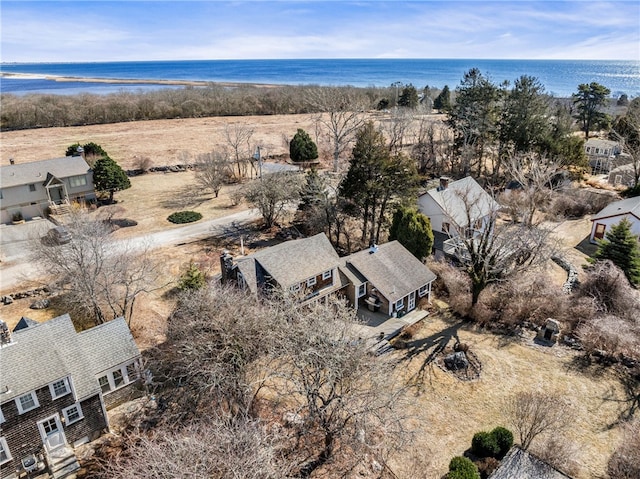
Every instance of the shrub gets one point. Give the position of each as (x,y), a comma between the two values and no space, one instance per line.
(484,444)
(486,466)
(462,468)
(504,440)
(192,278)
(180,217)
(631,192)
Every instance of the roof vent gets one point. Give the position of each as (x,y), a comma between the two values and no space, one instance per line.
(12,161)
(373,248)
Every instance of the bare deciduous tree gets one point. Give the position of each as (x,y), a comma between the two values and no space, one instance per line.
(397,127)
(625,460)
(342,119)
(213,170)
(272,195)
(533,413)
(99,277)
(238,137)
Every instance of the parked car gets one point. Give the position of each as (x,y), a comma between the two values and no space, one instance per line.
(60,235)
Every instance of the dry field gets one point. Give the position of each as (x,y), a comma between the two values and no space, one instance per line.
(448,411)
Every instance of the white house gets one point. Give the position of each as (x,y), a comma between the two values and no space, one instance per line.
(604,155)
(28,189)
(613,214)
(457,208)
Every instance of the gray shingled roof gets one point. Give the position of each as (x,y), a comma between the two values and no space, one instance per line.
(519,464)
(36,171)
(108,345)
(292,262)
(392,269)
(247,267)
(454,199)
(41,354)
(623,207)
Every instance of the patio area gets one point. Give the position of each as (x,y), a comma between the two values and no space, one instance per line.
(380,326)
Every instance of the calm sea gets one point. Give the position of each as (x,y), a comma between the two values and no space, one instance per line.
(560,77)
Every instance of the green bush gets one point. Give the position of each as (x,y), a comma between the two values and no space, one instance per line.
(631,192)
(462,468)
(180,217)
(504,440)
(484,444)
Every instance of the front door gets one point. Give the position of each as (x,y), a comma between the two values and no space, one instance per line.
(52,433)
(412,301)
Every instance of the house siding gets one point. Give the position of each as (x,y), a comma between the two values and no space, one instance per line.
(21,430)
(614,220)
(126,393)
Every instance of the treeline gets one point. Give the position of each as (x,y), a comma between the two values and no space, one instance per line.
(42,111)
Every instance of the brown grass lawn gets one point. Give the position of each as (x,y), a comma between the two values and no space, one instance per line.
(449,411)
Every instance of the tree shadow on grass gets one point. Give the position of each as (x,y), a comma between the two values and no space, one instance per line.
(431,347)
(187,196)
(630,403)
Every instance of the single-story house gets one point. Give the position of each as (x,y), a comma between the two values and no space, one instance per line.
(613,214)
(457,208)
(56,386)
(521,464)
(387,278)
(28,189)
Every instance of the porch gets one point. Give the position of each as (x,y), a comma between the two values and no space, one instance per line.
(379,325)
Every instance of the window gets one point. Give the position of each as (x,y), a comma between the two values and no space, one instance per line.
(27,402)
(599,234)
(5,455)
(132,372)
(104,384)
(400,304)
(72,414)
(362,290)
(423,290)
(311,282)
(118,378)
(295,288)
(32,187)
(59,388)
(80,180)
(326,274)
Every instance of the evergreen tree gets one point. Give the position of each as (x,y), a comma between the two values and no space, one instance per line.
(109,177)
(443,100)
(622,248)
(302,147)
(312,193)
(192,278)
(413,230)
(408,97)
(589,99)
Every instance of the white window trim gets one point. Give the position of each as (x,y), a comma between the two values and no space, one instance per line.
(53,393)
(312,281)
(66,410)
(399,305)
(327,274)
(1,416)
(360,295)
(125,377)
(422,292)
(35,402)
(5,448)
(295,288)
(82,181)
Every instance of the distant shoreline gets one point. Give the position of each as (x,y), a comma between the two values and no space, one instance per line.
(131,81)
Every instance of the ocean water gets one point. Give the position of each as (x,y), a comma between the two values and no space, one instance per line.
(560,77)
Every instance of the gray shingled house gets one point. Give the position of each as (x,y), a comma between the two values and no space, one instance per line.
(385,278)
(307,266)
(56,386)
(520,464)
(28,189)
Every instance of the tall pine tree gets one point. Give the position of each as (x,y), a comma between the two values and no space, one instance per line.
(413,230)
(622,248)
(109,177)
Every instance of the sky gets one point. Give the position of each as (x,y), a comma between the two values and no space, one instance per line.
(133,30)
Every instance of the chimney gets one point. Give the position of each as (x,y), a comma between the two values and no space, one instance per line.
(5,334)
(12,161)
(226,267)
(444,183)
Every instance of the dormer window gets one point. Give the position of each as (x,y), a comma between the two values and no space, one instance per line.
(27,402)
(59,388)
(32,187)
(326,275)
(311,282)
